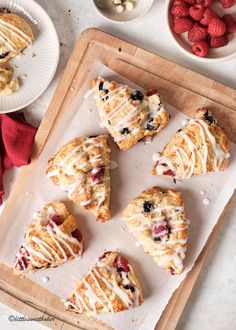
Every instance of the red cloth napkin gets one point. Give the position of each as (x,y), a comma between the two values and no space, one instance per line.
(16,141)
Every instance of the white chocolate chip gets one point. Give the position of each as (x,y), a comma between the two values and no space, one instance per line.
(119,9)
(129,5)
(117,2)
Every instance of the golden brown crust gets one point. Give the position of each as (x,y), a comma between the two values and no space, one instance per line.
(200,147)
(50,240)
(18,32)
(129,120)
(82,167)
(107,287)
(157,220)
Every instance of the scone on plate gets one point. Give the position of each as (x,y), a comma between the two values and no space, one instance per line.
(50,240)
(82,168)
(128,114)
(16,34)
(110,286)
(200,147)
(157,220)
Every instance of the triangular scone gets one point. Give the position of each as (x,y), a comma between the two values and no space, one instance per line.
(158,222)
(129,115)
(82,168)
(110,286)
(51,240)
(16,34)
(200,147)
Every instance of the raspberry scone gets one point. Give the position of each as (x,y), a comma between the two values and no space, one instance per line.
(128,115)
(200,147)
(82,168)
(158,222)
(51,240)
(110,286)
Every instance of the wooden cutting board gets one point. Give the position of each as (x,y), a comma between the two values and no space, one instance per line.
(182,88)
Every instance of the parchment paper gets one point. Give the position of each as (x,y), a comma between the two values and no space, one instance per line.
(130,178)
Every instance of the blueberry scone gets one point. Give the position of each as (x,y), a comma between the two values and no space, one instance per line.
(82,168)
(110,286)
(128,114)
(51,240)
(200,147)
(157,220)
(15,35)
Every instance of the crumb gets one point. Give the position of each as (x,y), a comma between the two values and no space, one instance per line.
(33,54)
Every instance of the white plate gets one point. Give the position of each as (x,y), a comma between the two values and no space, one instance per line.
(37,65)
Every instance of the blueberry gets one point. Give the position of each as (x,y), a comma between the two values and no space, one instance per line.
(129,287)
(101,86)
(209,118)
(125,131)
(137,95)
(147,207)
(150,127)
(3,55)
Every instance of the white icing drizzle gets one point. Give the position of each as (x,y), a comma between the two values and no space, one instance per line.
(183,158)
(128,118)
(163,251)
(48,253)
(6,28)
(67,167)
(92,296)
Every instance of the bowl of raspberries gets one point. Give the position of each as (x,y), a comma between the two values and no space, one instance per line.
(203,29)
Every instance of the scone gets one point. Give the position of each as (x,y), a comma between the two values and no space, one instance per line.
(157,220)
(8,84)
(51,240)
(200,147)
(82,168)
(15,35)
(129,115)
(110,286)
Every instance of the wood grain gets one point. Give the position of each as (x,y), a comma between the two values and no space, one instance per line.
(179,86)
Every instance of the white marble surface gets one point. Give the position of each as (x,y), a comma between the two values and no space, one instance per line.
(212,304)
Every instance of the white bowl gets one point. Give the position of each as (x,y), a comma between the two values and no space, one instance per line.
(141,7)
(215,54)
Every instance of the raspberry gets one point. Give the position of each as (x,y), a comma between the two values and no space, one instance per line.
(216,27)
(161,231)
(229,22)
(190,2)
(121,264)
(180,9)
(57,219)
(197,33)
(196,12)
(207,16)
(97,174)
(205,3)
(183,24)
(77,234)
(216,42)
(200,48)
(227,3)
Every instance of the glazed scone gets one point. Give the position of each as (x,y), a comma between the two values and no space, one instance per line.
(8,84)
(16,34)
(157,220)
(129,115)
(110,286)
(200,147)
(51,240)
(82,168)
